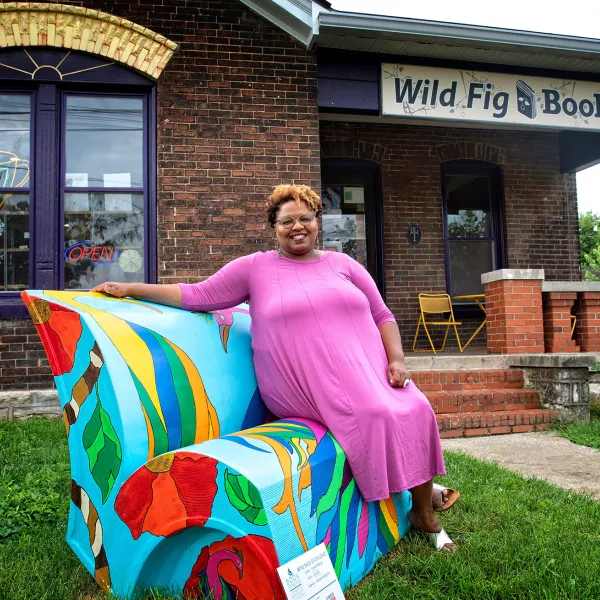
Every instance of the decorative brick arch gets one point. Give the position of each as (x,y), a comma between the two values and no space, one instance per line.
(471,151)
(352,149)
(25,24)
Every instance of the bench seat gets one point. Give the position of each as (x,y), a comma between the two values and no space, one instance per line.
(179,482)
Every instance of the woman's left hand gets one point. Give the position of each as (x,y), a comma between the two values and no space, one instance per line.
(397,373)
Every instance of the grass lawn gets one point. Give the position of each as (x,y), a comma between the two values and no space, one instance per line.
(517,538)
(585,433)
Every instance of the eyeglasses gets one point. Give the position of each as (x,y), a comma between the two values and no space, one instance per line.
(289,222)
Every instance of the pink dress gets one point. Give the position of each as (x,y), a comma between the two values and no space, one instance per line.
(318,354)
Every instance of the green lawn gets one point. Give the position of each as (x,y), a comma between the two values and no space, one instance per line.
(517,538)
(585,433)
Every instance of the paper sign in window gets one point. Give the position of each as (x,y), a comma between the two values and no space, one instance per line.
(354,195)
(76,180)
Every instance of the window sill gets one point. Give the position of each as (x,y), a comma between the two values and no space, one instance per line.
(12,306)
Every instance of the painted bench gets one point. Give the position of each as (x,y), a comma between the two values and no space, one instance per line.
(178,480)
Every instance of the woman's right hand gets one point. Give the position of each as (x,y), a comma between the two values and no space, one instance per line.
(119,290)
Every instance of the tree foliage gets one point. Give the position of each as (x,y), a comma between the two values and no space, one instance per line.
(589,240)
(468,223)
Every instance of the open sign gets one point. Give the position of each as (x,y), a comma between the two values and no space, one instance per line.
(100,255)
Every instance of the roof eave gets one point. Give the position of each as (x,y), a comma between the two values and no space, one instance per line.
(295,17)
(374,26)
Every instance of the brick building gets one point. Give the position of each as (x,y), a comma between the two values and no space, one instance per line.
(139,140)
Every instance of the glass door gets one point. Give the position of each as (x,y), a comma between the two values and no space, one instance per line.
(343,221)
(351,219)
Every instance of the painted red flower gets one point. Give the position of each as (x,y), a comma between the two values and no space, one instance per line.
(168,494)
(59,328)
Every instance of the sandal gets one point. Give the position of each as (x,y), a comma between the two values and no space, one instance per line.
(441,541)
(438,499)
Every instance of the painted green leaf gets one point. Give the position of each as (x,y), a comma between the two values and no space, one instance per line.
(328,499)
(103,449)
(344,509)
(245,498)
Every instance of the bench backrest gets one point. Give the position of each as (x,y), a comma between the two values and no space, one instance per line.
(137,379)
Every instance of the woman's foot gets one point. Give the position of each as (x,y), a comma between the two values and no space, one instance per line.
(443,498)
(439,497)
(424,522)
(431,527)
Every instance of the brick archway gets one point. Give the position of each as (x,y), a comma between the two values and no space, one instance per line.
(25,24)
(352,149)
(471,151)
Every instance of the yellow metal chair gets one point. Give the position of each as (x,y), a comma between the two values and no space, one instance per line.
(436,304)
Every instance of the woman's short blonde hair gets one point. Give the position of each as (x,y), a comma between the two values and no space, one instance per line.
(284,193)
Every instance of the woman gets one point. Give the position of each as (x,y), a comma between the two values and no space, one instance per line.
(327,348)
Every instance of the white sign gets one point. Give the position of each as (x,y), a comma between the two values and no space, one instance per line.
(76,180)
(311,577)
(473,96)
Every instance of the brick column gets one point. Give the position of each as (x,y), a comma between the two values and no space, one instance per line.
(513,301)
(557,321)
(587,311)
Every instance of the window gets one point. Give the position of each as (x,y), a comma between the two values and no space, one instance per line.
(15,152)
(472,193)
(77,174)
(104,189)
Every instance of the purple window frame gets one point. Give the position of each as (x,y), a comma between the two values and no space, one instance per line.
(9,299)
(134,190)
(46,189)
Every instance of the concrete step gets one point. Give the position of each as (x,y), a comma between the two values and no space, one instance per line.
(491,400)
(470,424)
(447,361)
(479,379)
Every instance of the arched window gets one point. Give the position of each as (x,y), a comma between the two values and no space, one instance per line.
(77,173)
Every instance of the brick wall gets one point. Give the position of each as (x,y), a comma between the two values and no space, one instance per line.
(539,204)
(237,115)
(23,364)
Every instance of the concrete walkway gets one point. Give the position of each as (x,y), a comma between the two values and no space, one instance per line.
(543,455)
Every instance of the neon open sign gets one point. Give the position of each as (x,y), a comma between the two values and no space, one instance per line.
(100,255)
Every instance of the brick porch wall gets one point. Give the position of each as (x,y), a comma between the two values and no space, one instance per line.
(540,207)
(23,364)
(237,115)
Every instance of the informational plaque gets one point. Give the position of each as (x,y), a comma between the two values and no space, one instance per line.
(414,234)
(311,577)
